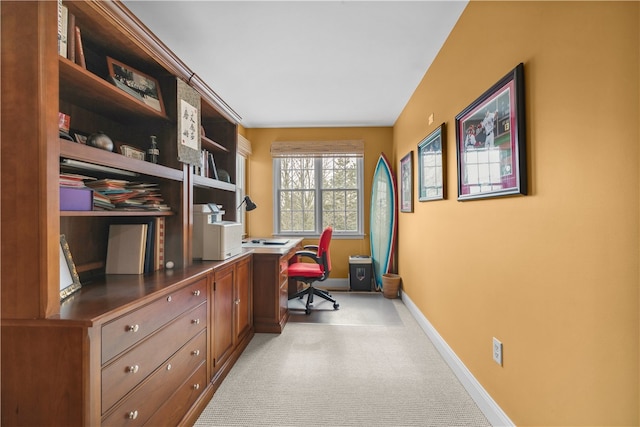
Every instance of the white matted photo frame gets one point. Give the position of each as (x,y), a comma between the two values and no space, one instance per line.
(431,166)
(406,183)
(490,141)
(69,279)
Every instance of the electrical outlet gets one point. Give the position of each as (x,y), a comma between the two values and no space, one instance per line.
(497,351)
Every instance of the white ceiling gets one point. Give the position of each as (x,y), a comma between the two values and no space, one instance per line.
(306,63)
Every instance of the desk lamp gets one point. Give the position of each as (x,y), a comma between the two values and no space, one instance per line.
(249,204)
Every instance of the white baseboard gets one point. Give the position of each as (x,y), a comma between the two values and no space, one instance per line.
(487,405)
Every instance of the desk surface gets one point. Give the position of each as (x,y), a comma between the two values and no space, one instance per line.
(262,248)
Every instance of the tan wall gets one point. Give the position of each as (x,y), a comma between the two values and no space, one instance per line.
(553,275)
(260,181)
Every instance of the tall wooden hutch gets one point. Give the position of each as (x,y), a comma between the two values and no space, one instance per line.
(124,349)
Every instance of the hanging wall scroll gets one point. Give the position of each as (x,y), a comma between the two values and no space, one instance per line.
(188,124)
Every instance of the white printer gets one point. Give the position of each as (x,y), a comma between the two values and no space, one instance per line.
(214,239)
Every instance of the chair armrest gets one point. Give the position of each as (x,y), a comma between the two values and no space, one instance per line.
(313,247)
(309,254)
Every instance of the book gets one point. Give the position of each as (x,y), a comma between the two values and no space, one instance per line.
(71,37)
(126,249)
(80,58)
(159,243)
(63,25)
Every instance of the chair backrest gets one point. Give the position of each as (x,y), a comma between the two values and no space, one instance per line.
(323,249)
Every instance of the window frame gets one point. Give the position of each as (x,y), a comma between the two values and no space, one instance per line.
(337,234)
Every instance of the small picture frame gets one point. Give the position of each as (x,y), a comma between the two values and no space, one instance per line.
(69,279)
(132,152)
(406,183)
(137,84)
(490,140)
(431,166)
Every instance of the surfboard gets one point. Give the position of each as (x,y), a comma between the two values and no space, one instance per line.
(383,221)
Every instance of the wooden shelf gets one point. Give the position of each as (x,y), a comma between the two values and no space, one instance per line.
(81,87)
(85,153)
(212,145)
(116,213)
(203,182)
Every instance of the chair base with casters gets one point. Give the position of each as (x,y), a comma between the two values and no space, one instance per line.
(316,271)
(310,291)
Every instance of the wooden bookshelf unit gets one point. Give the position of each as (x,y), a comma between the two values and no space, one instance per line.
(124,349)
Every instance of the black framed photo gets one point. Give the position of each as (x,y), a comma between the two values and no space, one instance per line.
(137,84)
(431,166)
(406,183)
(69,279)
(490,140)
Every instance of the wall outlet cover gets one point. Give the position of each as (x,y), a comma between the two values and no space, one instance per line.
(497,351)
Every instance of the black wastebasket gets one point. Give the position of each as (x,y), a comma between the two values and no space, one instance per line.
(360,272)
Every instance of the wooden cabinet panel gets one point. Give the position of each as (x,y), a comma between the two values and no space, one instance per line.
(244,304)
(222,306)
(134,366)
(270,299)
(122,333)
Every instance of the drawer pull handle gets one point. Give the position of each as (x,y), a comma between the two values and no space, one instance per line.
(196,386)
(169,298)
(132,369)
(169,367)
(195,321)
(195,353)
(196,293)
(133,415)
(132,328)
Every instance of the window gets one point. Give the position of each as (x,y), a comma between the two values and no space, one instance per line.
(312,192)
(316,184)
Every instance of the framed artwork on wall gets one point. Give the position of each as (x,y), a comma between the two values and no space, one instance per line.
(406,183)
(490,141)
(431,166)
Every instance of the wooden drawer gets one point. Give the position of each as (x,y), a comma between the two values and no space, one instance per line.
(139,406)
(119,377)
(122,333)
(173,411)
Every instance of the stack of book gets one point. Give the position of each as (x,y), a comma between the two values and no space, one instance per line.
(118,194)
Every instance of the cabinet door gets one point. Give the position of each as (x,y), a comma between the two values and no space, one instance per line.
(244,305)
(223,303)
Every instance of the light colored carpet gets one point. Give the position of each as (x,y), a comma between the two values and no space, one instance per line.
(356,374)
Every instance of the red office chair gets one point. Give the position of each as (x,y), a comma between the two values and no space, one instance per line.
(311,272)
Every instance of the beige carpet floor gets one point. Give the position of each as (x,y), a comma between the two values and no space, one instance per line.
(352,370)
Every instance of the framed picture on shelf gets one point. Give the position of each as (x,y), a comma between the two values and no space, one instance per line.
(431,166)
(137,84)
(490,141)
(69,279)
(406,183)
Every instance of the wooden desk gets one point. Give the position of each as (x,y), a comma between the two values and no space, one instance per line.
(271,284)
